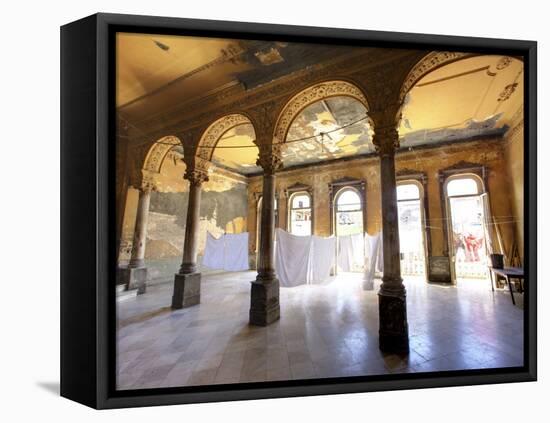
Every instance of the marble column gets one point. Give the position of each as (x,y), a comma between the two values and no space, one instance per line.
(135,275)
(393,333)
(187,282)
(264,298)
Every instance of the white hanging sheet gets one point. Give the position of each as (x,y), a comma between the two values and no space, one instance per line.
(228,252)
(301,260)
(214,252)
(292,256)
(345,253)
(351,252)
(322,258)
(236,252)
(373,258)
(358,250)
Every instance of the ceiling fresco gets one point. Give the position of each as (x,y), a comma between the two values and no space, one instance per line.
(470,98)
(320,123)
(242,159)
(153,70)
(473,97)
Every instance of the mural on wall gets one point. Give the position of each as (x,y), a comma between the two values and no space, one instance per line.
(223,210)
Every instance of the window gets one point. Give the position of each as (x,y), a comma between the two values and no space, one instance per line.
(348,213)
(462,186)
(300,214)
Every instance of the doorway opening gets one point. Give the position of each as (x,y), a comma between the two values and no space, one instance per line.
(411,230)
(468,236)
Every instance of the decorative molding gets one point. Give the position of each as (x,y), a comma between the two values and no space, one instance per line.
(427,64)
(309,96)
(463,167)
(215,131)
(298,187)
(507,92)
(410,174)
(158,151)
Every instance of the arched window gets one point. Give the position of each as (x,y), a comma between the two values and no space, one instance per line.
(348,212)
(300,214)
(462,186)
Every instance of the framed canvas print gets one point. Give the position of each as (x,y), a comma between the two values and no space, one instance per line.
(256,211)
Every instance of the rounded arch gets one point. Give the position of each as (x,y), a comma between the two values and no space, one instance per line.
(430,62)
(415,182)
(157,153)
(354,204)
(300,213)
(215,131)
(480,184)
(351,188)
(310,95)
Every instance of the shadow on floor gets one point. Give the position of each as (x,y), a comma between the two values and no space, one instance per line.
(51,387)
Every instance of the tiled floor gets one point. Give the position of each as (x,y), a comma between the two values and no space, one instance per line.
(324,331)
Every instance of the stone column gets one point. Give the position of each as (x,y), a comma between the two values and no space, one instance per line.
(135,275)
(187,282)
(264,298)
(393,333)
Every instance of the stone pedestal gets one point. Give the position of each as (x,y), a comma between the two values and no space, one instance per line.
(187,290)
(394,331)
(264,302)
(134,278)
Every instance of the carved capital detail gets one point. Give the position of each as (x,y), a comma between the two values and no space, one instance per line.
(269,158)
(385,123)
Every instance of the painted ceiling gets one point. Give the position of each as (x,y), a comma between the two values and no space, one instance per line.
(473,97)
(470,98)
(153,70)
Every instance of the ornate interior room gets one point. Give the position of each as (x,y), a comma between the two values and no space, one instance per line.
(288,211)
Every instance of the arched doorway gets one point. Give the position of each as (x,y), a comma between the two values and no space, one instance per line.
(411,229)
(466,206)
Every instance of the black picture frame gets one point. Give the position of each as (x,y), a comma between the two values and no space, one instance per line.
(87,211)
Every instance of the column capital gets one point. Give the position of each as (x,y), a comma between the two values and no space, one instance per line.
(269,158)
(385,123)
(197,170)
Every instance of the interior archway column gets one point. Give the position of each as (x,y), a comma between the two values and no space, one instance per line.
(135,275)
(392,296)
(187,282)
(264,297)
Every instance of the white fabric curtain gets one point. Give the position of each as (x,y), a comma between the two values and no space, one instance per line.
(236,252)
(351,252)
(322,258)
(228,252)
(301,260)
(373,258)
(345,253)
(214,252)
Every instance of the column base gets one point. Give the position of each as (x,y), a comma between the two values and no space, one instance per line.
(264,302)
(134,278)
(394,331)
(187,290)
